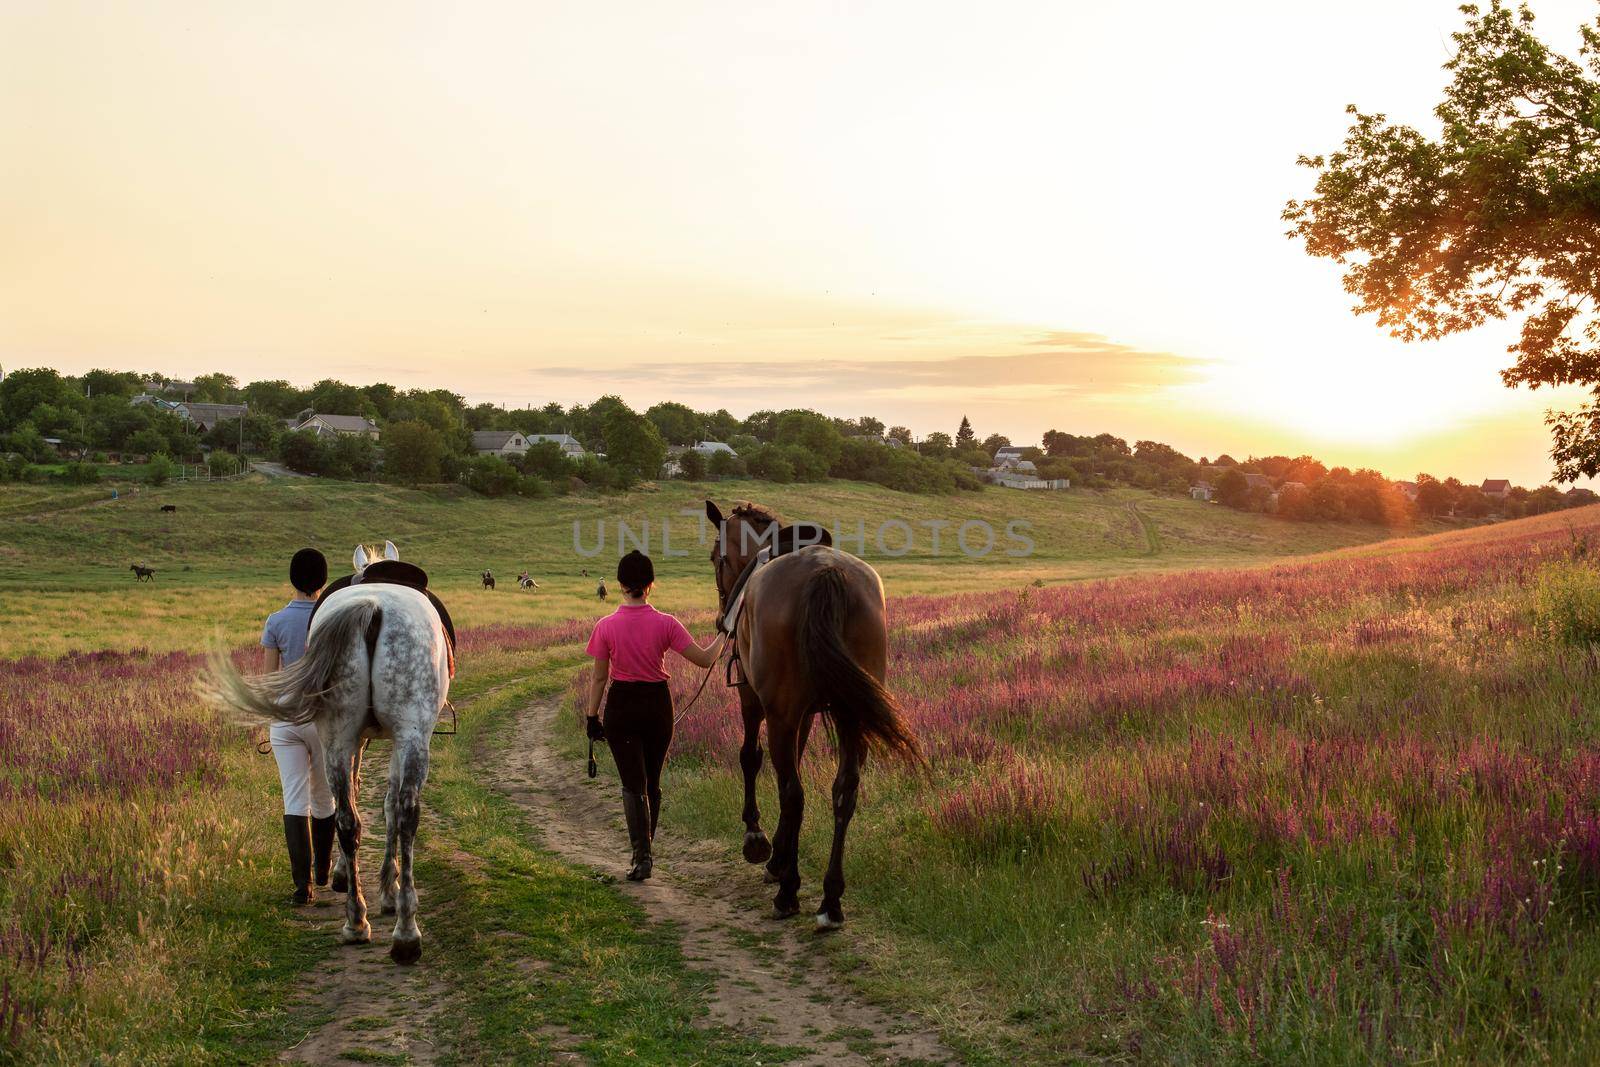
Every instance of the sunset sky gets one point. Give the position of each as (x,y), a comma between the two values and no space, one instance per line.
(1037,214)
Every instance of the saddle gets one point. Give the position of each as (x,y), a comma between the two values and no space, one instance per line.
(395,572)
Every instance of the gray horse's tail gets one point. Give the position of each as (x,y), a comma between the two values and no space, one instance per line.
(296,693)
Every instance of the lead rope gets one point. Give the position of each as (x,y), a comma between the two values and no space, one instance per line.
(706,677)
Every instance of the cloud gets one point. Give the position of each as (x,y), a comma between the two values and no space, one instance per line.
(1075,365)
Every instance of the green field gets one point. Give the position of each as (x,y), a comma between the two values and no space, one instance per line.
(221,558)
(1163,809)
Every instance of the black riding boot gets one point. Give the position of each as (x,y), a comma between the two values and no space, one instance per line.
(636,810)
(297,833)
(322,847)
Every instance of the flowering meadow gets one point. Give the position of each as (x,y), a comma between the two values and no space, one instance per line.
(1344,809)
(140,857)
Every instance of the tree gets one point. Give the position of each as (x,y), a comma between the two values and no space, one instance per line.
(692,465)
(303,451)
(275,397)
(492,476)
(965,438)
(216,388)
(1495,217)
(634,447)
(677,423)
(1233,490)
(725,464)
(901,434)
(995,442)
(810,432)
(412,452)
(146,442)
(23,390)
(935,444)
(1433,496)
(160,470)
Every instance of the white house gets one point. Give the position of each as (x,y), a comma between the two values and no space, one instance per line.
(499,443)
(711,448)
(1009,452)
(1011,463)
(1496,488)
(1200,491)
(339,426)
(565,441)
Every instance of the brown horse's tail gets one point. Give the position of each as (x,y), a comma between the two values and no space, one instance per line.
(296,693)
(856,702)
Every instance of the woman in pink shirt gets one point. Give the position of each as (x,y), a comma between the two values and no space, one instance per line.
(629,647)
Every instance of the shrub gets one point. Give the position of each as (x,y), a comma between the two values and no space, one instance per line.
(80,473)
(1566,602)
(222,464)
(160,469)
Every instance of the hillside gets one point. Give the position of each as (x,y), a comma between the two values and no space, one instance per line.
(220,557)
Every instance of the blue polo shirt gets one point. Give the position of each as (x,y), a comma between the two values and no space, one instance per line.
(286,630)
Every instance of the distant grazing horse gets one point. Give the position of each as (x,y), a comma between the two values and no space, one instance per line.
(488,580)
(142,574)
(526,581)
(169,507)
(377,664)
(811,638)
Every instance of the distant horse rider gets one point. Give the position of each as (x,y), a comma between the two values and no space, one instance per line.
(629,647)
(308,819)
(600,590)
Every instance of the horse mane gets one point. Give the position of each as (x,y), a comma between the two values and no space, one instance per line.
(755,514)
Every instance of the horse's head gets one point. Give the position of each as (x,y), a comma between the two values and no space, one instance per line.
(363,557)
(741,535)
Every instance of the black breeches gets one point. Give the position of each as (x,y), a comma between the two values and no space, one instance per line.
(638,722)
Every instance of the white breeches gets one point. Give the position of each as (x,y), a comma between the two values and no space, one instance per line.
(301,770)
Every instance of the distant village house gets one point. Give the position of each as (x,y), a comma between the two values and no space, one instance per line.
(499,443)
(1496,488)
(339,426)
(206,416)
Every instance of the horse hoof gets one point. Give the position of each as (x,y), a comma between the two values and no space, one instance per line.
(340,883)
(768,878)
(406,953)
(356,935)
(826,922)
(757,849)
(781,910)
(385,909)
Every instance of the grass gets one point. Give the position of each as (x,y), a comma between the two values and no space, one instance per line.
(1118,854)
(1344,810)
(221,559)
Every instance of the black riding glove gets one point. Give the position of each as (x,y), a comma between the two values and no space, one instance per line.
(593,728)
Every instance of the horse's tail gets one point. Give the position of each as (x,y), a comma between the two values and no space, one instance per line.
(856,702)
(296,693)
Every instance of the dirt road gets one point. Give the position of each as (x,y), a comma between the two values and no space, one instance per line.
(769,980)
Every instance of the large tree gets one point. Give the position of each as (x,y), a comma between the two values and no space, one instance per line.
(1495,216)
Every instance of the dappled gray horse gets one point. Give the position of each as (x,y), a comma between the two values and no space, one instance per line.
(377,664)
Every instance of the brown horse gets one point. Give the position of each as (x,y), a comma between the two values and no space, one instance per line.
(811,639)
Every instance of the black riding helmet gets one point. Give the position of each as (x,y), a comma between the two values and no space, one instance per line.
(308,571)
(635,573)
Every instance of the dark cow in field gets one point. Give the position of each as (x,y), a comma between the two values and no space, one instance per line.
(169,507)
(142,574)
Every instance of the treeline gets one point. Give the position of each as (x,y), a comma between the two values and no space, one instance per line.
(426,436)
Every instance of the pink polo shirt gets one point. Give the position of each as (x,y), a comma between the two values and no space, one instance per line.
(636,638)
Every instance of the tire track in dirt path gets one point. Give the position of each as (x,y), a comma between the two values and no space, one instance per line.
(768,981)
